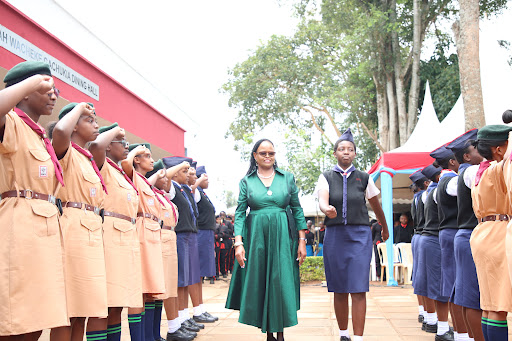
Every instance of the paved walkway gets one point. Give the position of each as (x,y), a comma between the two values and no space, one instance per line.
(391,315)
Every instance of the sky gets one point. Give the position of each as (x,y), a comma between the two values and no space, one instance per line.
(185,49)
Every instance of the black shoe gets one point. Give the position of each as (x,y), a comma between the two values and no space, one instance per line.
(344,338)
(423,325)
(224,276)
(420,318)
(212,280)
(431,328)
(203,319)
(189,326)
(210,316)
(179,335)
(445,337)
(195,324)
(188,332)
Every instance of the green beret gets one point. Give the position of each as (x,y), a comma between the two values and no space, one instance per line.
(107,128)
(64,111)
(494,132)
(156,167)
(25,70)
(135,145)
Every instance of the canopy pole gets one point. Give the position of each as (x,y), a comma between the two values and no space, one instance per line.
(386,184)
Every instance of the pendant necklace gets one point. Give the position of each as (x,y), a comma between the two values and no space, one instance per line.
(269,192)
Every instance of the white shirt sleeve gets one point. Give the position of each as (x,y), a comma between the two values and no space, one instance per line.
(470,175)
(424,197)
(197,196)
(371,189)
(321,184)
(451,188)
(435,195)
(172,192)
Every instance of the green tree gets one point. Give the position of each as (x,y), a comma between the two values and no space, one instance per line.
(229,198)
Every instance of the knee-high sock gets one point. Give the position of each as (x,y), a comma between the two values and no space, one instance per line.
(149,308)
(135,324)
(497,330)
(114,332)
(99,335)
(157,320)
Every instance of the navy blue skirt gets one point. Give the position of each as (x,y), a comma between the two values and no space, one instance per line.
(414,249)
(206,246)
(432,249)
(420,269)
(446,237)
(466,291)
(347,256)
(188,259)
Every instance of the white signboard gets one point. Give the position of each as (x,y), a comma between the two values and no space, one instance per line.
(26,50)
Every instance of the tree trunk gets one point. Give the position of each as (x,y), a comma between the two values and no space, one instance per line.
(414,91)
(393,122)
(467,41)
(382,112)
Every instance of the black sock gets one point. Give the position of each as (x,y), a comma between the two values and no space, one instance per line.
(157,320)
(497,330)
(114,332)
(135,324)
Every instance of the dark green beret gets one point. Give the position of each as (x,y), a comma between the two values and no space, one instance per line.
(135,145)
(25,70)
(156,167)
(107,128)
(64,111)
(494,132)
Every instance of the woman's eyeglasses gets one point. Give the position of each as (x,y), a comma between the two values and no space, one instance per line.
(124,143)
(263,154)
(55,91)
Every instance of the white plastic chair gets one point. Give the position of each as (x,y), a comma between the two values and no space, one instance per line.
(405,268)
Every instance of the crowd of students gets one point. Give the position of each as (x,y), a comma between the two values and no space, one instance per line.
(93,225)
(461,210)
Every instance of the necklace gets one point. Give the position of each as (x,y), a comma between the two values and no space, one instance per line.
(266,177)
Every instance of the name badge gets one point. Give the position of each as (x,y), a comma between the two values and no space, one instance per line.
(129,197)
(93,191)
(151,202)
(43,171)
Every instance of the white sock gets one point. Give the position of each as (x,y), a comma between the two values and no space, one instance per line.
(471,339)
(455,335)
(186,315)
(181,316)
(420,309)
(431,318)
(203,309)
(464,337)
(424,313)
(173,325)
(344,333)
(197,311)
(358,338)
(442,327)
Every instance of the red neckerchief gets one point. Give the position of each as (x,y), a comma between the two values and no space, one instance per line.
(404,226)
(162,193)
(48,144)
(89,156)
(146,181)
(481,169)
(113,164)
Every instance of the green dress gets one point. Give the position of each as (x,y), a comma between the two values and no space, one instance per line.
(267,290)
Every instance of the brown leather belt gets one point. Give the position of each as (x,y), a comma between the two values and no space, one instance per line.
(494,217)
(80,205)
(120,216)
(150,216)
(164,227)
(29,194)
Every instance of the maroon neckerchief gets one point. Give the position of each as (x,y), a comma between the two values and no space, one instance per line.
(113,164)
(481,169)
(48,144)
(162,193)
(89,156)
(146,181)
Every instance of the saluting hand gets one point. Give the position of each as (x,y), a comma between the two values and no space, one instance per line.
(140,149)
(161,173)
(45,84)
(121,133)
(331,212)
(240,255)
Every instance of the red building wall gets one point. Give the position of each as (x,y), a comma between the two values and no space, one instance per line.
(116,103)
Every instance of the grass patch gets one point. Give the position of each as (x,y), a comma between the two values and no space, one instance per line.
(312,269)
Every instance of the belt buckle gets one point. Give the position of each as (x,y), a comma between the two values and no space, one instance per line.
(134,221)
(52,199)
(29,194)
(96,210)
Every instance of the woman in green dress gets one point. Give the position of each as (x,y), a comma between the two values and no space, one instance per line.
(265,283)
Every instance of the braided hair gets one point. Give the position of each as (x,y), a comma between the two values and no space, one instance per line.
(253,165)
